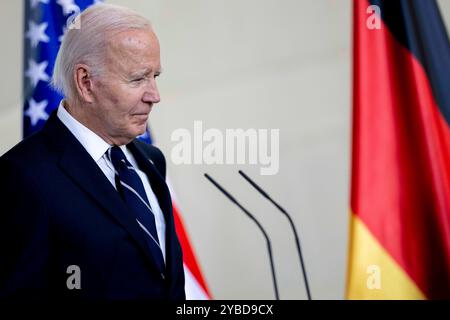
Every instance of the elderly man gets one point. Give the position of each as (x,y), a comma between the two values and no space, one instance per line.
(86,212)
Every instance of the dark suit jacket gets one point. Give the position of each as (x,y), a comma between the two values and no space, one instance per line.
(58,209)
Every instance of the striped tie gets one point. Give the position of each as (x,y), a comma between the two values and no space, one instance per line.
(133,193)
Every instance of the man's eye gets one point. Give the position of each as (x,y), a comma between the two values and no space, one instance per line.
(137,80)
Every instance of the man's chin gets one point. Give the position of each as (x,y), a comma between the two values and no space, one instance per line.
(140,130)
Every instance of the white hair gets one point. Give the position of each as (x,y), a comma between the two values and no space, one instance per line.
(89,43)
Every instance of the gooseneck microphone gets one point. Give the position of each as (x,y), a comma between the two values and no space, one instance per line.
(299,250)
(269,247)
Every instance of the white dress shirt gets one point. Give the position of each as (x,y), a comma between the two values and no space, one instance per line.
(97,148)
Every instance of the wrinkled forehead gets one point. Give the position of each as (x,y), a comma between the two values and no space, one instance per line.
(133,49)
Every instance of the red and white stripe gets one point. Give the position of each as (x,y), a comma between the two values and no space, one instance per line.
(195,285)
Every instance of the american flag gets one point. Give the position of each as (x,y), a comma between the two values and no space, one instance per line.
(46,21)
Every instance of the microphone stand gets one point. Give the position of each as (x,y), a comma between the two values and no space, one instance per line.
(269,247)
(297,241)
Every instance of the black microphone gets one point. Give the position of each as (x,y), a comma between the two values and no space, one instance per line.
(269,247)
(299,250)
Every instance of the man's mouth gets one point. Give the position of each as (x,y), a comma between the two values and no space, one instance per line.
(141,114)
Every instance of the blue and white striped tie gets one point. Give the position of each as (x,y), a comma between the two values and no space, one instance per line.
(133,193)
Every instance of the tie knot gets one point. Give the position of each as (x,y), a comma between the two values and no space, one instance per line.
(117,157)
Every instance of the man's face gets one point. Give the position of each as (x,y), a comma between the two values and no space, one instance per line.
(126,91)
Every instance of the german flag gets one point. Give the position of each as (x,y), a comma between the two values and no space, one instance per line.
(400,186)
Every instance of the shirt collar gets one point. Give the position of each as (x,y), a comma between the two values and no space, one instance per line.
(93,143)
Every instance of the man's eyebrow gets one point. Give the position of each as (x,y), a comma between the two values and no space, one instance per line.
(146,71)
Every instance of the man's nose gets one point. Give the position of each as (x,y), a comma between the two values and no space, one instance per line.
(151,93)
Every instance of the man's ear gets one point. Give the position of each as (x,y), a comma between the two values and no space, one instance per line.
(83,82)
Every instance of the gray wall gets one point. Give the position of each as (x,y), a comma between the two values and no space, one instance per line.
(246,64)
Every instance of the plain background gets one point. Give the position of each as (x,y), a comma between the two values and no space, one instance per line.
(260,64)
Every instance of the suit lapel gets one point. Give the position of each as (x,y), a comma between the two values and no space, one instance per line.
(82,169)
(157,182)
(162,193)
